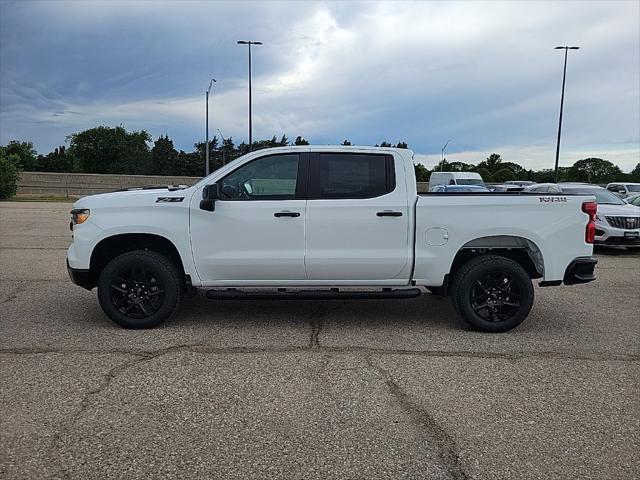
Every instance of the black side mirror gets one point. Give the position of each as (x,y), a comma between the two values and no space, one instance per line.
(210,194)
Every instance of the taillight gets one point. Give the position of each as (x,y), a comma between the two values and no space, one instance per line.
(591,209)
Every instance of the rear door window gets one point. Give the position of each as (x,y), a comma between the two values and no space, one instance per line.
(350,175)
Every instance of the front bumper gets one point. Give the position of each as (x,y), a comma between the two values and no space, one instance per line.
(618,241)
(580,270)
(609,235)
(80,277)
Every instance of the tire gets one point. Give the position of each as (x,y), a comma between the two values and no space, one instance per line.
(502,285)
(140,289)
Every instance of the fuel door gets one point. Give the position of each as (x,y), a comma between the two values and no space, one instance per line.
(436,236)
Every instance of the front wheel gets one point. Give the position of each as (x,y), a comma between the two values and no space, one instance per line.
(492,293)
(139,289)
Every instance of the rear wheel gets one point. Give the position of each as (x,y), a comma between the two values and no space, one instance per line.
(139,289)
(492,293)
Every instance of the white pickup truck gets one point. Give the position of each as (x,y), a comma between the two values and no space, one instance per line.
(327,223)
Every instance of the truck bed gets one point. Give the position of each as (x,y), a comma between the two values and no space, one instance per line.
(551,225)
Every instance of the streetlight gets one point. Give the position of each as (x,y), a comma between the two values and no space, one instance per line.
(213,80)
(442,154)
(564,76)
(249,43)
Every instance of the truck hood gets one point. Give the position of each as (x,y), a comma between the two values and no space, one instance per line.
(136,196)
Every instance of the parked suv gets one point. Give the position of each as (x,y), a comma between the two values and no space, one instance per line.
(617,223)
(624,189)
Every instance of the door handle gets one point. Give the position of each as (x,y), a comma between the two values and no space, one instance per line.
(389,213)
(286,214)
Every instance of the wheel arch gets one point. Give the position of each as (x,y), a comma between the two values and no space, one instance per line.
(519,249)
(115,245)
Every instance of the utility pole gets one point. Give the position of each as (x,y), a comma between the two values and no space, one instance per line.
(249,43)
(564,77)
(213,80)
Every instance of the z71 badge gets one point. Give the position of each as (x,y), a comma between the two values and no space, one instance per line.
(169,199)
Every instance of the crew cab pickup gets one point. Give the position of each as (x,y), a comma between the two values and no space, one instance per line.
(325,223)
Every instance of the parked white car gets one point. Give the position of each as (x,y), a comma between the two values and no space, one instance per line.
(617,222)
(624,189)
(455,178)
(277,222)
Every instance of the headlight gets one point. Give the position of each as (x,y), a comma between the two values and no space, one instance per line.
(79,215)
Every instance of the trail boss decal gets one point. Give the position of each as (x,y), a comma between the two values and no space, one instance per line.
(553,199)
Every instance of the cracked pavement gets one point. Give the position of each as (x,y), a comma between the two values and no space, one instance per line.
(298,389)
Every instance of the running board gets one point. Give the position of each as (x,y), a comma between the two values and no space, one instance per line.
(332,294)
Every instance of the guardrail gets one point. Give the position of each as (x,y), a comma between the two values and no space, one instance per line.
(74,185)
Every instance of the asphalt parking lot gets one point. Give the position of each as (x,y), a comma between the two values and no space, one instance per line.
(301,390)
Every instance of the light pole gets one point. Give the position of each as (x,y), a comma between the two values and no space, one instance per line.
(442,154)
(564,77)
(213,80)
(249,43)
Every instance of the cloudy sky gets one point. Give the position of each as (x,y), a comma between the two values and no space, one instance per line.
(483,74)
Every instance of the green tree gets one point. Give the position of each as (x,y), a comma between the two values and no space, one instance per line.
(26,154)
(422,173)
(402,145)
(503,174)
(189,165)
(486,175)
(300,141)
(519,171)
(163,157)
(56,161)
(634,176)
(111,150)
(272,142)
(384,144)
(228,151)
(346,143)
(9,173)
(461,167)
(215,155)
(492,163)
(594,170)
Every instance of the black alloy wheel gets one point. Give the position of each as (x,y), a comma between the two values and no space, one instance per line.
(492,293)
(140,289)
(136,292)
(495,297)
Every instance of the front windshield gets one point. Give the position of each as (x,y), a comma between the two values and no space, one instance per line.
(603,196)
(633,188)
(469,181)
